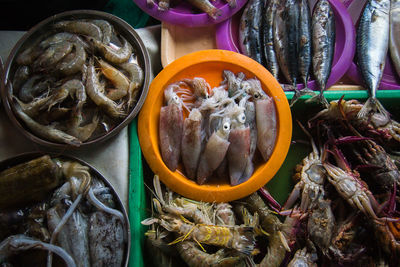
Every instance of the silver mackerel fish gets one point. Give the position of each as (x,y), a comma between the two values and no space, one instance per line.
(249,30)
(372,46)
(323,44)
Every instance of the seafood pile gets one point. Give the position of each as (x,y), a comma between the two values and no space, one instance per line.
(77,82)
(54,212)
(346,194)
(240,233)
(343,209)
(203,5)
(290,41)
(223,130)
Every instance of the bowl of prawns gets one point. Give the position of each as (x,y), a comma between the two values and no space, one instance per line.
(216,126)
(75,79)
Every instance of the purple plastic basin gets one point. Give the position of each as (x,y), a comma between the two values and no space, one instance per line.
(185,14)
(390,79)
(227,37)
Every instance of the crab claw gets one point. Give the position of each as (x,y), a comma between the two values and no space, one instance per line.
(351,189)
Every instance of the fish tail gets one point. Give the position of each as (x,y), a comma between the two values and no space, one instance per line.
(320,98)
(214,13)
(231,3)
(323,101)
(382,109)
(369,106)
(300,93)
(375,106)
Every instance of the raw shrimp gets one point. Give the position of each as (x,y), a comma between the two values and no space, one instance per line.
(20,77)
(52,55)
(195,257)
(83,133)
(179,206)
(29,55)
(136,78)
(192,142)
(73,62)
(80,27)
(112,53)
(214,152)
(171,127)
(33,108)
(35,85)
(48,132)
(224,214)
(95,91)
(106,28)
(240,238)
(303,259)
(61,37)
(279,233)
(117,78)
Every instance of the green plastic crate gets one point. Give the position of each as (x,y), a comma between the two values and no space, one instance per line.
(280,186)
(137,201)
(128,11)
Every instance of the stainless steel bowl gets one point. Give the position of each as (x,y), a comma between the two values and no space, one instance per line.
(42,30)
(7,163)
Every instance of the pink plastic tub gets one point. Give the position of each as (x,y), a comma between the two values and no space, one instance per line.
(227,37)
(183,13)
(390,79)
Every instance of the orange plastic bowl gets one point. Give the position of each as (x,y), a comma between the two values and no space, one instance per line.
(209,65)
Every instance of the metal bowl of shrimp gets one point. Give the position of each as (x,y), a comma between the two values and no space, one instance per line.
(75,79)
(216,126)
(58,209)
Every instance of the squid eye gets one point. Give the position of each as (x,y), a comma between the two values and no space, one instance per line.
(226,126)
(257,95)
(175,98)
(242,118)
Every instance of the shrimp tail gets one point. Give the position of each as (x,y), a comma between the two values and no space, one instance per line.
(247,237)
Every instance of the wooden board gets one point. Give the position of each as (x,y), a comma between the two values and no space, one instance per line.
(177,41)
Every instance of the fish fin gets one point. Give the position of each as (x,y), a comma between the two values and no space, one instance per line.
(300,93)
